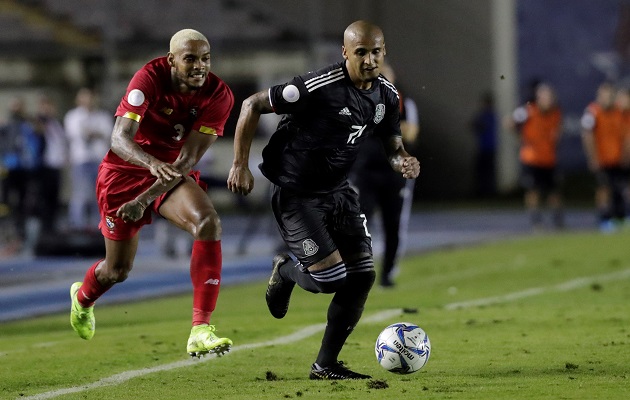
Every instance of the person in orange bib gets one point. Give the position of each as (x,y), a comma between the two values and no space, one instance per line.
(539,126)
(622,101)
(604,136)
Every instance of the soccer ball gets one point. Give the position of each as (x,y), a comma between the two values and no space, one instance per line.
(402,348)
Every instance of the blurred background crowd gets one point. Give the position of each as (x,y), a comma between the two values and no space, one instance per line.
(495,83)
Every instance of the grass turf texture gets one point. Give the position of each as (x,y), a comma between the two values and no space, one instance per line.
(554,344)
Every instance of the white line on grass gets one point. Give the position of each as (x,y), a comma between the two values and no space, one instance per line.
(125,376)
(561,287)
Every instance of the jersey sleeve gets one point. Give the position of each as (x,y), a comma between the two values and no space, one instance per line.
(140,92)
(290,97)
(215,112)
(390,125)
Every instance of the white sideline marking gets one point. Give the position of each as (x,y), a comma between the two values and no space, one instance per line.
(561,287)
(125,376)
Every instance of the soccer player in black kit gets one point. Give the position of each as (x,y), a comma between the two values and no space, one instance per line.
(327,114)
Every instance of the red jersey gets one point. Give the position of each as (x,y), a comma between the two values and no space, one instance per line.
(539,135)
(166,116)
(608,131)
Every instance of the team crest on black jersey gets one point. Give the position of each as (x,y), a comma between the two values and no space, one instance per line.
(379,113)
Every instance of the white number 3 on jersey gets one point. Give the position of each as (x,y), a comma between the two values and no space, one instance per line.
(179,128)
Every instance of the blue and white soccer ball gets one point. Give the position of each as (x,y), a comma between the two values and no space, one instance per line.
(402,348)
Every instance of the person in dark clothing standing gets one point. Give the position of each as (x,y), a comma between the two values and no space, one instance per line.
(484,127)
(54,160)
(21,153)
(383,189)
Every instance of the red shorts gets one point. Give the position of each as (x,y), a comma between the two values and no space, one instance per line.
(114,188)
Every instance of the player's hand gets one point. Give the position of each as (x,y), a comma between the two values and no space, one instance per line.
(410,168)
(131,211)
(164,172)
(240,180)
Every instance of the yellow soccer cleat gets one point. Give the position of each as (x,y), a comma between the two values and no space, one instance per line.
(203,340)
(81,318)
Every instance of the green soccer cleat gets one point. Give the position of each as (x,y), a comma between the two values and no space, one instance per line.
(203,340)
(81,318)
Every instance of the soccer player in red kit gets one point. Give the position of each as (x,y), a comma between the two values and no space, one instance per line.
(173,110)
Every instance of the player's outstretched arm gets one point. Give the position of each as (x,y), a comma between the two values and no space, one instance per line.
(196,145)
(399,159)
(240,179)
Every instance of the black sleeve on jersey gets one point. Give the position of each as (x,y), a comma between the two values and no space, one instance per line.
(290,97)
(390,125)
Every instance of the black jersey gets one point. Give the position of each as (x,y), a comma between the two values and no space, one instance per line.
(372,156)
(326,118)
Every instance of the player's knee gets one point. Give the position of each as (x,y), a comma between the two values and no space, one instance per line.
(366,280)
(331,279)
(331,286)
(356,290)
(115,273)
(208,227)
(361,275)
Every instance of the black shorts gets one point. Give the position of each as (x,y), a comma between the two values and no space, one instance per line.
(544,179)
(315,225)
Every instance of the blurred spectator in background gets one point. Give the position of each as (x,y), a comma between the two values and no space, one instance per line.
(484,127)
(622,102)
(54,160)
(89,131)
(384,190)
(539,126)
(22,154)
(604,138)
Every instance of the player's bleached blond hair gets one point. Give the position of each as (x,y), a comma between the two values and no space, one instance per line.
(180,38)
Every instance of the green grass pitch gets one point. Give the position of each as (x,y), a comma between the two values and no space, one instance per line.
(541,317)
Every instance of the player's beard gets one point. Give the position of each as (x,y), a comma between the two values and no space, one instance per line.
(194,83)
(194,87)
(190,82)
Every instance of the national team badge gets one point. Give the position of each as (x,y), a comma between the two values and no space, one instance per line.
(379,113)
(310,247)
(193,112)
(109,221)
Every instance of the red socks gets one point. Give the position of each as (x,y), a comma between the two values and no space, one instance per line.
(91,290)
(205,273)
